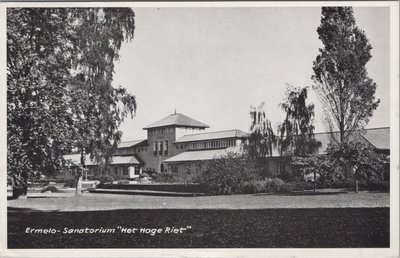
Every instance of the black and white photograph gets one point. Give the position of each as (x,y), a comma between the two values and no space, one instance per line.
(168,128)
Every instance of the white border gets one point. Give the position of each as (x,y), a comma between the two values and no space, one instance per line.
(393,251)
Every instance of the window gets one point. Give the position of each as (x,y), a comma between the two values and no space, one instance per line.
(155,148)
(160,147)
(137,171)
(165,147)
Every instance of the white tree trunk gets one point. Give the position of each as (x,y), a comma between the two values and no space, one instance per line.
(78,190)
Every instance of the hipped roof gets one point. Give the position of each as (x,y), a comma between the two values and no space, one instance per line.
(177,120)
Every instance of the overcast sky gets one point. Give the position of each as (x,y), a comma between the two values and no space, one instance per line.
(212,64)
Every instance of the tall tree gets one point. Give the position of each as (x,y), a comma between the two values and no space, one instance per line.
(59,92)
(39,126)
(297,130)
(102,107)
(340,75)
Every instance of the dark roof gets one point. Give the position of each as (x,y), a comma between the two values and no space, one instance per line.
(378,137)
(212,135)
(132,143)
(177,120)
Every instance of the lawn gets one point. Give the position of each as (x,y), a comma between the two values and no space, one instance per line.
(327,198)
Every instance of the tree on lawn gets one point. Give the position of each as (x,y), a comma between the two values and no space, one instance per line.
(59,93)
(39,124)
(340,75)
(102,107)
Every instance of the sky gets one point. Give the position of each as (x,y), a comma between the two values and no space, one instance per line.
(212,64)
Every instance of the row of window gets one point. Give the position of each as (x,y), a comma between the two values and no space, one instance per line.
(160,148)
(116,170)
(161,130)
(130,150)
(207,144)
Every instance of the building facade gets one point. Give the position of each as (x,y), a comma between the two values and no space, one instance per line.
(180,144)
(171,144)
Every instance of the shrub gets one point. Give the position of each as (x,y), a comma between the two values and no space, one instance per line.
(107,179)
(52,189)
(274,185)
(162,177)
(70,183)
(340,183)
(123,182)
(252,186)
(227,174)
(377,185)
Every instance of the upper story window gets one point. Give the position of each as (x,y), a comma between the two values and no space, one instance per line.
(165,147)
(160,147)
(155,148)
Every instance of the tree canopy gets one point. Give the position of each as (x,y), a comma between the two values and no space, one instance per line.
(262,137)
(60,65)
(297,130)
(340,73)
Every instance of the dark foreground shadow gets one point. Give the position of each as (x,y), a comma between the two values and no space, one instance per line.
(260,228)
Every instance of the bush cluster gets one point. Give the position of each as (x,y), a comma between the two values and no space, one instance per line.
(227,174)
(107,179)
(71,183)
(274,185)
(182,177)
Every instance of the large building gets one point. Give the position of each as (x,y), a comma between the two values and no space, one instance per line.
(178,143)
(172,144)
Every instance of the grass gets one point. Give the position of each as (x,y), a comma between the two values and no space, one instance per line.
(90,201)
(210,228)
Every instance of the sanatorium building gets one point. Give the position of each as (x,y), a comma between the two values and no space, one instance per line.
(178,143)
